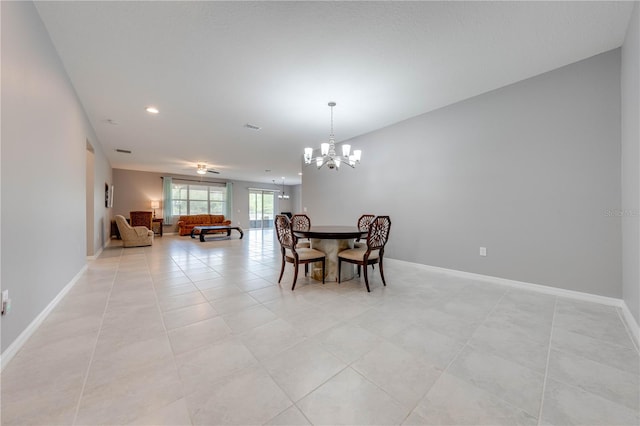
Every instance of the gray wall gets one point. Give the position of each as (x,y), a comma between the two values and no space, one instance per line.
(241,200)
(527,171)
(44,136)
(630,163)
(134,190)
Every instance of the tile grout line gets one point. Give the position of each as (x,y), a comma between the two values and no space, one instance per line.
(305,339)
(457,354)
(546,368)
(219,315)
(260,362)
(160,312)
(95,345)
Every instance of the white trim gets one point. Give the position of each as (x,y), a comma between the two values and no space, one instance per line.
(95,256)
(632,324)
(17,344)
(630,321)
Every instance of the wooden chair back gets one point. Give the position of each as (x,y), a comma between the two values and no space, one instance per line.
(300,222)
(283,230)
(363,224)
(364,221)
(378,233)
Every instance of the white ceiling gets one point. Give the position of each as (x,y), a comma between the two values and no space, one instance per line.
(213,67)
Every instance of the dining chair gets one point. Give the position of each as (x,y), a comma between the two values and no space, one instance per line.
(363,224)
(293,254)
(372,253)
(301,222)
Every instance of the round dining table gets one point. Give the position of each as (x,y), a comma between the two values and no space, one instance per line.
(331,240)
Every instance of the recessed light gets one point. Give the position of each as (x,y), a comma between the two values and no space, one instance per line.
(300,174)
(152,110)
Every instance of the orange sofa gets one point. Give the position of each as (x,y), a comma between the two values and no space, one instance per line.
(186,223)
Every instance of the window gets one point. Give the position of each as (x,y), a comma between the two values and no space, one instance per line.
(198,198)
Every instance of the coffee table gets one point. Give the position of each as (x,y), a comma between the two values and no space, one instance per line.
(204,230)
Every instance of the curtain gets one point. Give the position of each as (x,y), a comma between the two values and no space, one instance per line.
(167,200)
(229,200)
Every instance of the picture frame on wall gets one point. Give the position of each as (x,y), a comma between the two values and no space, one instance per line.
(108,196)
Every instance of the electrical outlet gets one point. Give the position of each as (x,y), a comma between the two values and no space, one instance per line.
(483,251)
(304,209)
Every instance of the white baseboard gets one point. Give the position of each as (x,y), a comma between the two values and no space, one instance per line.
(96,255)
(630,322)
(17,344)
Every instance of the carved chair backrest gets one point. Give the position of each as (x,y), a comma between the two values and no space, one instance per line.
(300,222)
(378,233)
(283,230)
(364,221)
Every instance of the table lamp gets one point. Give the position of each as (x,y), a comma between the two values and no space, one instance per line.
(155,205)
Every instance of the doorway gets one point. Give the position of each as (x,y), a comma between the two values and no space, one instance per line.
(261,209)
(90,211)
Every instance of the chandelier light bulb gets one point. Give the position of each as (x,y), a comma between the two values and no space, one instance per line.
(308,153)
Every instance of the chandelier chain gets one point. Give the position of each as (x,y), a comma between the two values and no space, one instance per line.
(332,122)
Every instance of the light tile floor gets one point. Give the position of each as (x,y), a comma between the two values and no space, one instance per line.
(190,333)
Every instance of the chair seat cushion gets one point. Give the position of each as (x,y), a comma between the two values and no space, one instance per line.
(305,253)
(358,254)
(303,244)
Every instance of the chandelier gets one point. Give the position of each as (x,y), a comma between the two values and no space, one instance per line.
(328,152)
(282,195)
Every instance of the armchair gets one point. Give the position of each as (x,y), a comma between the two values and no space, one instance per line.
(133,236)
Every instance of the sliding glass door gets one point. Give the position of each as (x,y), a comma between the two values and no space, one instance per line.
(261,209)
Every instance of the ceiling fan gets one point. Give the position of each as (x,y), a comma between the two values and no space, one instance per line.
(203,170)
